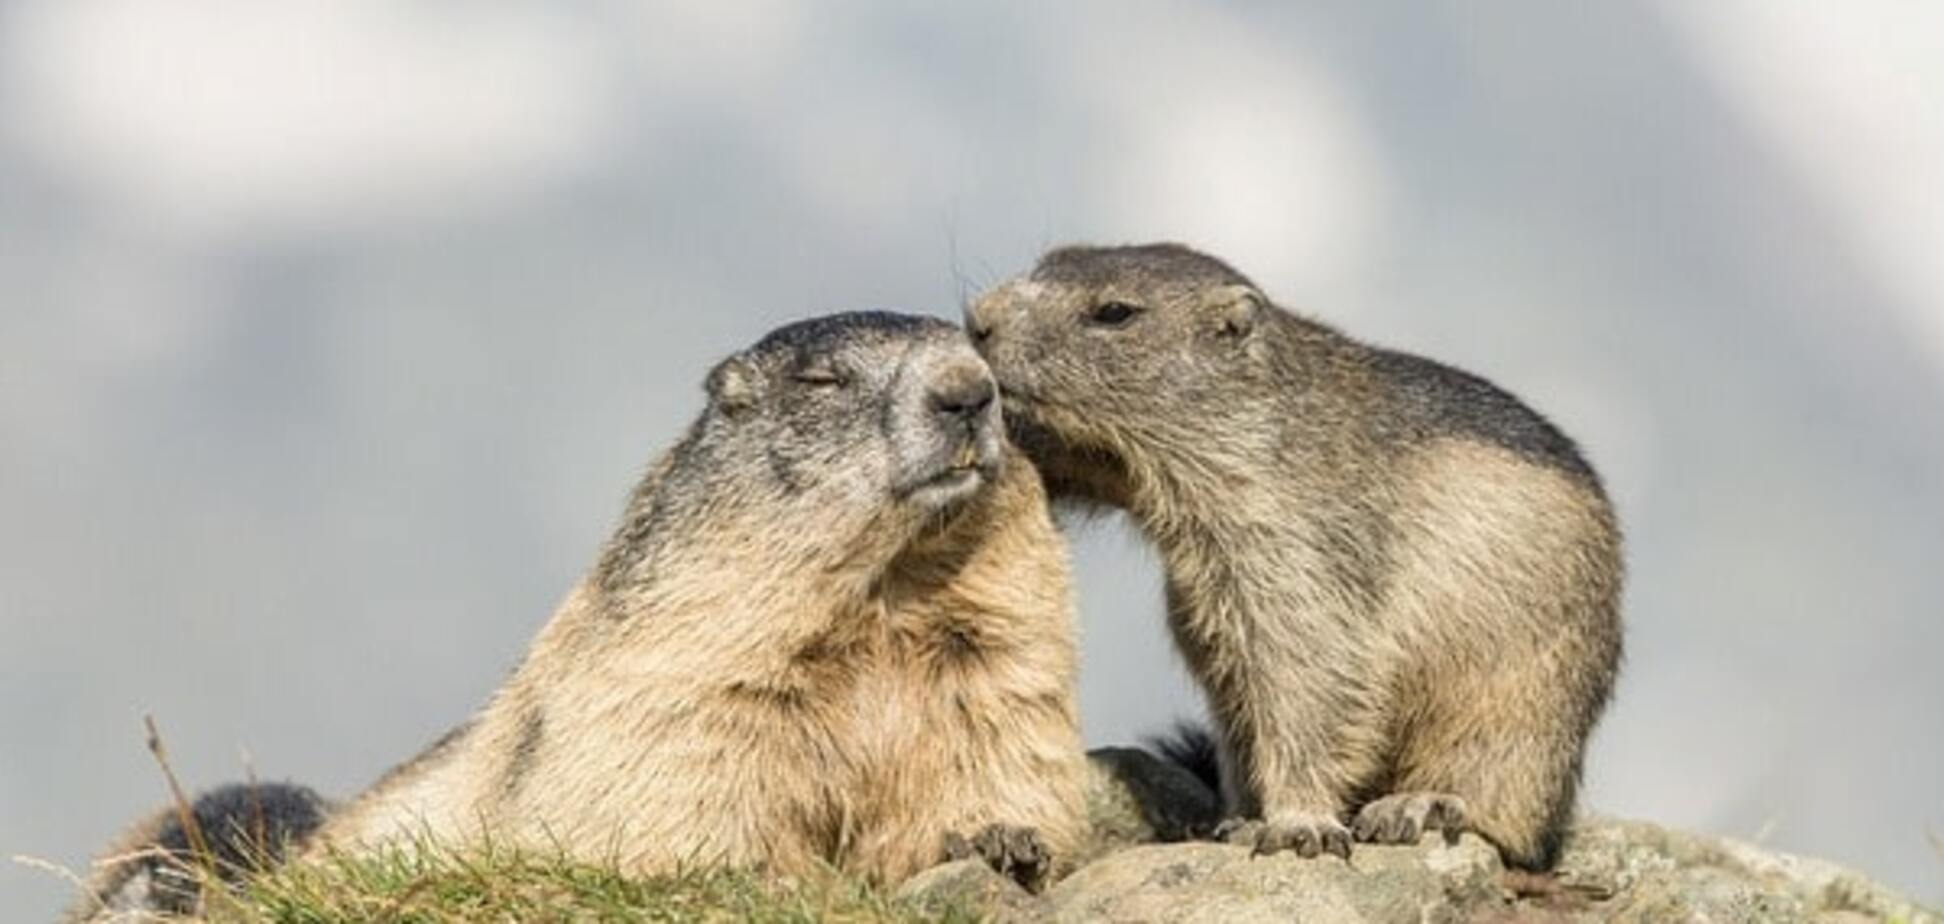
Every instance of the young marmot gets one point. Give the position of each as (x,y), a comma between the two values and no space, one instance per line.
(1398,585)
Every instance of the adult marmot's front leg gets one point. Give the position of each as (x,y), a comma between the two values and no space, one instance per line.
(1017,853)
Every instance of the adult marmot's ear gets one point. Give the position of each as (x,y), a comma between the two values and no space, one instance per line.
(1238,308)
(734,385)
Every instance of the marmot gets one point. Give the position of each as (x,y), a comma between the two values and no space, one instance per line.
(833,627)
(1398,586)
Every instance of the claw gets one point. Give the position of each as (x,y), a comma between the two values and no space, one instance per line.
(1402,818)
(1011,851)
(1307,837)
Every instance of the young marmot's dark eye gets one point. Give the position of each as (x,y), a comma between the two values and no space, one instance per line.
(1112,314)
(821,377)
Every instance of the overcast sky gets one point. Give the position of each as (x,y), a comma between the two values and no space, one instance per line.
(336,332)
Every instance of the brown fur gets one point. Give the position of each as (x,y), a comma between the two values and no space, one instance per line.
(784,660)
(1396,584)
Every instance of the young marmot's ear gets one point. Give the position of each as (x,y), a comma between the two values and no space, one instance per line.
(1238,308)
(735,385)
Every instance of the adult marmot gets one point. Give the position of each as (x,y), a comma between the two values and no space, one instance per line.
(1398,585)
(834,626)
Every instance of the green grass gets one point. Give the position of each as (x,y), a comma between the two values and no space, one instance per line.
(428,886)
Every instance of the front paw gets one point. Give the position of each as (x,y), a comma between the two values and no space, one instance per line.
(1307,834)
(1018,853)
(1401,818)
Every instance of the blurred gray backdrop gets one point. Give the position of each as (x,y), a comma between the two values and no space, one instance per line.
(334,333)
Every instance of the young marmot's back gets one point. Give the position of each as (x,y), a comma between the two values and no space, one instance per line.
(834,626)
(1398,585)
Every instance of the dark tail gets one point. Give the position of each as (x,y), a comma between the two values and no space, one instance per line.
(1192,747)
(243,828)
(249,826)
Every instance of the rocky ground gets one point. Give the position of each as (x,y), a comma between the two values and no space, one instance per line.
(1612,870)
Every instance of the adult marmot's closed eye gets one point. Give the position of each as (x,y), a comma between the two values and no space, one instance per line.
(1398,585)
(834,626)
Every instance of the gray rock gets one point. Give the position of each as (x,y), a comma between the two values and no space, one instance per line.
(1707,894)
(969,883)
(1619,871)
(1610,870)
(1218,882)
(1654,873)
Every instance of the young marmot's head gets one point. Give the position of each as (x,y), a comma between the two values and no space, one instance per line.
(1106,351)
(861,409)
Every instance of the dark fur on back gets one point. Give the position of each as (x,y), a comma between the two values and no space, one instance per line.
(1437,400)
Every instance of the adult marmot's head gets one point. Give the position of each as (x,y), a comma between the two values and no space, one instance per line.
(829,444)
(862,408)
(1104,351)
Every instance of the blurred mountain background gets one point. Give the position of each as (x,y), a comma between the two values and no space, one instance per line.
(335,332)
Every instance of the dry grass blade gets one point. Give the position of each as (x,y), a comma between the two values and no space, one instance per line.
(49,866)
(185,813)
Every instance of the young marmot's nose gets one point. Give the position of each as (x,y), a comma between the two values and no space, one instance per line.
(962,394)
(983,317)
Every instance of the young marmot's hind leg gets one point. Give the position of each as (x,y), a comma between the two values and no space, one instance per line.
(1497,754)
(1514,590)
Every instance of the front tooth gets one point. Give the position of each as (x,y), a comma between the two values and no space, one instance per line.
(968,456)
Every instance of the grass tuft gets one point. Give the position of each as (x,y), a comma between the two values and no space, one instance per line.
(430,885)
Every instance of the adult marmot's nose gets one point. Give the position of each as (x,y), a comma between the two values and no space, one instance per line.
(962,394)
